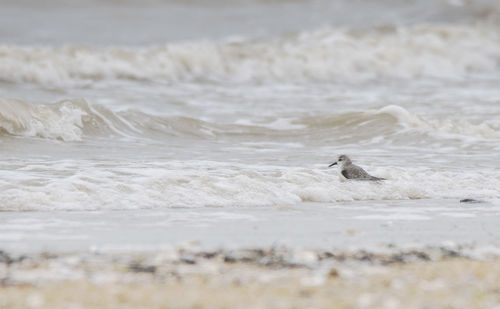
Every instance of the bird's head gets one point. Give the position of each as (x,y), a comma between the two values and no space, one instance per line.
(341,161)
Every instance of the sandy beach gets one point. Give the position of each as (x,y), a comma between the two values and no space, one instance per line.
(432,277)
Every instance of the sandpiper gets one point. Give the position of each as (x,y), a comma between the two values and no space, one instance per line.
(351,171)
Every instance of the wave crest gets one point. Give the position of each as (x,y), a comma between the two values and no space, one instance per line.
(74,119)
(63,120)
(192,184)
(443,127)
(440,51)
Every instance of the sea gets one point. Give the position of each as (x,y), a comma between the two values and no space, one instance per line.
(150,124)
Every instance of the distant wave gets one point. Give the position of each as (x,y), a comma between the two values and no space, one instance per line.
(75,119)
(445,126)
(436,51)
(206,183)
(394,119)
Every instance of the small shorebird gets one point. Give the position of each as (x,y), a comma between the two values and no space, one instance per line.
(351,171)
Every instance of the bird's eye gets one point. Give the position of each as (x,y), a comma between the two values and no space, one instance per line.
(340,159)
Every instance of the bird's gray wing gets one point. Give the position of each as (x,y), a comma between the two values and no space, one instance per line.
(356,172)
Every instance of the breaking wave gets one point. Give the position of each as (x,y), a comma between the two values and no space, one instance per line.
(206,183)
(75,120)
(63,120)
(436,51)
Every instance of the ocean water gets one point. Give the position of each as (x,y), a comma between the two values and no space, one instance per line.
(234,109)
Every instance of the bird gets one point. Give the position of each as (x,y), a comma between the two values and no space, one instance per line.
(351,171)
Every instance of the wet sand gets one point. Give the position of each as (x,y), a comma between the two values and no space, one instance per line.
(430,277)
(357,224)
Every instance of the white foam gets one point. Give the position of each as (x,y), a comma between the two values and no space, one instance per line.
(444,127)
(200,184)
(436,51)
(63,120)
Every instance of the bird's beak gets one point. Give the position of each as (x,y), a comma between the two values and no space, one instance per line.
(334,163)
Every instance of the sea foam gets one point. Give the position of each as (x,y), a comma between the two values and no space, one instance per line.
(89,186)
(63,120)
(328,54)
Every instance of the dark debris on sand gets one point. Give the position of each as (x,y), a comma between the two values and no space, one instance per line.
(276,258)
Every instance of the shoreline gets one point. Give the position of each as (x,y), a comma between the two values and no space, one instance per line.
(253,278)
(355,224)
